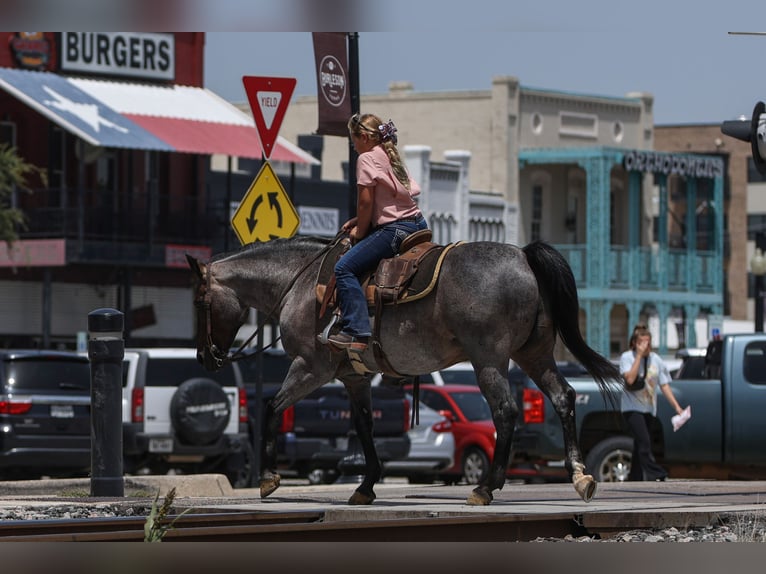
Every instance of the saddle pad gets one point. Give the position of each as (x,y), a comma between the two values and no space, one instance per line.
(427,274)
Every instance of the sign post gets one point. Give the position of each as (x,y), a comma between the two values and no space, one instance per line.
(266,211)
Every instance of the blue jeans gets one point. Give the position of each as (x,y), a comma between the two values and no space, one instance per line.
(363,258)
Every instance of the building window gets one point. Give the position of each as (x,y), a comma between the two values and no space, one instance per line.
(753,175)
(537,211)
(8,134)
(756,223)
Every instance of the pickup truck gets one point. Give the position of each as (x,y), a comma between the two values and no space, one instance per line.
(316,438)
(721,440)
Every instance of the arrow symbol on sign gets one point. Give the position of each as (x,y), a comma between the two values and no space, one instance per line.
(274,203)
(252,221)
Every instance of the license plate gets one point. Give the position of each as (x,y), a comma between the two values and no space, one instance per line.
(161,445)
(62,411)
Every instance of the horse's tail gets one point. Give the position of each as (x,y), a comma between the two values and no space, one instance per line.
(559,291)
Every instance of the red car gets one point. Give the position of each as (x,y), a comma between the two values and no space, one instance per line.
(472,427)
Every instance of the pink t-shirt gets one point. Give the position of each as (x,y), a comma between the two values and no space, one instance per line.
(391,200)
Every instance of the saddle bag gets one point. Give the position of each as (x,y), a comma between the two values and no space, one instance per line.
(393,276)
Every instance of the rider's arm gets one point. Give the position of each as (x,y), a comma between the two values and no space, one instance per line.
(364,211)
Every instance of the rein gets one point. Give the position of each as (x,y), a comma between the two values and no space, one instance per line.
(222,357)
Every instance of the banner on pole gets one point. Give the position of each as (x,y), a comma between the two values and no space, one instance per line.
(333,94)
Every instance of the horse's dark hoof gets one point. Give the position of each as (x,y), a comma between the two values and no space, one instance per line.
(479,497)
(269,484)
(360,498)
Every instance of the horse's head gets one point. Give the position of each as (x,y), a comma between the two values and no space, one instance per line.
(220,314)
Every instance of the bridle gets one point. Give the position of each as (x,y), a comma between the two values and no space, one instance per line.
(205,303)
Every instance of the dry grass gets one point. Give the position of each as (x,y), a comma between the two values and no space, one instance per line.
(749,527)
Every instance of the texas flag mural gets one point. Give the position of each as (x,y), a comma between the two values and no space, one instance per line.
(130,115)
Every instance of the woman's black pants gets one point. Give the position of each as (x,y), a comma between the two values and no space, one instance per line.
(643,466)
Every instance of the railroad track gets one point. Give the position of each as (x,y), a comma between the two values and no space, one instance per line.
(294,527)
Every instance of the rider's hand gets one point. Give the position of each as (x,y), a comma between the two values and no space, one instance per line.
(349,225)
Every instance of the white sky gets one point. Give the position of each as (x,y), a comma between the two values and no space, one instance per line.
(679,51)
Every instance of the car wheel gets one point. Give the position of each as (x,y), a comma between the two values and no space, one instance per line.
(199,411)
(610,460)
(239,466)
(475,465)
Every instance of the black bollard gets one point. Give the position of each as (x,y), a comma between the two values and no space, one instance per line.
(106,350)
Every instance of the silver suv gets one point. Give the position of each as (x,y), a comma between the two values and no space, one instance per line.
(178,416)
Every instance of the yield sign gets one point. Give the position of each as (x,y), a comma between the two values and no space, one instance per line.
(266,211)
(268,99)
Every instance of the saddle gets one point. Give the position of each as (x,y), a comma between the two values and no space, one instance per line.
(404,278)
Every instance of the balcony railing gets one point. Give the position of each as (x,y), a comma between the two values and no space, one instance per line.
(647,265)
(125,230)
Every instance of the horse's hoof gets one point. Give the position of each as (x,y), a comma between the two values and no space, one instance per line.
(479,497)
(269,485)
(585,486)
(359,498)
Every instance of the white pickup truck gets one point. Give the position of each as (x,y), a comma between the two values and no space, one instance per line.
(176,415)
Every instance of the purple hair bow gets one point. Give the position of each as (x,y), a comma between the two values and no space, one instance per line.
(388,131)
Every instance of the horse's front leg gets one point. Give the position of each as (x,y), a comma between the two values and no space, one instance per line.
(298,383)
(494,386)
(360,397)
(562,397)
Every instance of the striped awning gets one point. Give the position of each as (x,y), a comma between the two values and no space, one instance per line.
(141,116)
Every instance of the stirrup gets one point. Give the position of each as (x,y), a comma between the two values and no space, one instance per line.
(324,336)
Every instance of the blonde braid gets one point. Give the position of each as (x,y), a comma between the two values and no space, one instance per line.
(396,163)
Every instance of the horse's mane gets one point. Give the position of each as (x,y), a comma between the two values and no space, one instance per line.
(307,243)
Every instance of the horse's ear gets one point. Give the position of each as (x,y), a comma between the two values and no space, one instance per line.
(194,264)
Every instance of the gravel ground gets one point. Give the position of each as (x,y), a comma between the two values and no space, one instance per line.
(72,512)
(732,528)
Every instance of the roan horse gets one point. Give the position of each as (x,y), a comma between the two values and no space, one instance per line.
(492,302)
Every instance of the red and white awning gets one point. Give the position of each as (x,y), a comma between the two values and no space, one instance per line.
(142,116)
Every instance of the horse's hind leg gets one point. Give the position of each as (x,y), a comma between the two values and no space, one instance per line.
(360,397)
(562,397)
(494,386)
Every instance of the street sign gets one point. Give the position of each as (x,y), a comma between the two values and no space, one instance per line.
(268,98)
(265,211)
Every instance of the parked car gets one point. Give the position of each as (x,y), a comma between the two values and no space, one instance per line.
(176,415)
(472,427)
(316,436)
(44,414)
(719,441)
(432,447)
(457,374)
